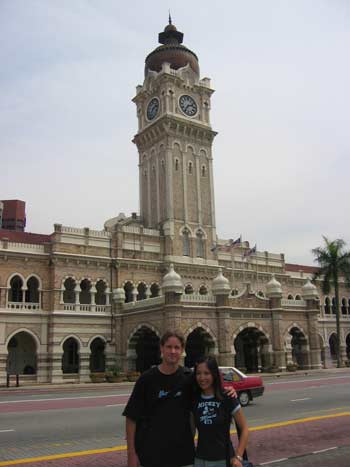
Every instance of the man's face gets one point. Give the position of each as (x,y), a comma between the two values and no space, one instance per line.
(171,351)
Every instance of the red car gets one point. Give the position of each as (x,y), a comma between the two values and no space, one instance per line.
(247,387)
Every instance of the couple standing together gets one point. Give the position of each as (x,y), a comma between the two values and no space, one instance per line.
(167,404)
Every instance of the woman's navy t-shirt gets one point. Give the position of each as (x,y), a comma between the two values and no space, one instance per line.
(212,418)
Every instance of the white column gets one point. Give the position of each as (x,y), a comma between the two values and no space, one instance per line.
(169,185)
(211,183)
(198,184)
(149,194)
(157,181)
(184,178)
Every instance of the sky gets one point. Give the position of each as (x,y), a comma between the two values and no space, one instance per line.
(281,74)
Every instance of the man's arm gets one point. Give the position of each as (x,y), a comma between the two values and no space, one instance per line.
(130,428)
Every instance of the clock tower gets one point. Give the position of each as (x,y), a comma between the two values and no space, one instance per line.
(174,142)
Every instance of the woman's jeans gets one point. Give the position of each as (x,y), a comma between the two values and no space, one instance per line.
(203,463)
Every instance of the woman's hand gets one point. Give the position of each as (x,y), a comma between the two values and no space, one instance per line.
(231,392)
(235,462)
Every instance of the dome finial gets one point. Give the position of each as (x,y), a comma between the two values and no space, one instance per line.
(170,17)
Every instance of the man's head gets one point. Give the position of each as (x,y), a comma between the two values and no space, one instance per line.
(172,344)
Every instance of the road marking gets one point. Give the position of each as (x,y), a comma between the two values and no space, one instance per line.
(307,380)
(298,400)
(325,450)
(5,431)
(124,447)
(114,405)
(274,461)
(62,398)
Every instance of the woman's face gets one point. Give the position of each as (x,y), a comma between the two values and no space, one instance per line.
(204,377)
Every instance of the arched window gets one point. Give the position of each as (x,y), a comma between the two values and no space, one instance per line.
(203,290)
(176,164)
(204,171)
(85,295)
(334,308)
(327,305)
(297,297)
(70,358)
(234,292)
(128,287)
(155,289)
(200,244)
(186,242)
(261,294)
(189,289)
(15,292)
(69,293)
(32,292)
(100,297)
(141,288)
(290,297)
(190,167)
(343,306)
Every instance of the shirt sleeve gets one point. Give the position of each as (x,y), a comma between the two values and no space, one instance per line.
(234,405)
(135,406)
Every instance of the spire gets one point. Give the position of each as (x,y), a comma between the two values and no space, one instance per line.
(170,18)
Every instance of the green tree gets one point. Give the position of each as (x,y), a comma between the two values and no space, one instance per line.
(334,264)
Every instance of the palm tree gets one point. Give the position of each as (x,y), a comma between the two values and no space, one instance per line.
(334,263)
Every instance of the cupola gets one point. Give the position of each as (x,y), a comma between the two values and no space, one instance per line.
(273,288)
(171,51)
(309,291)
(172,282)
(221,285)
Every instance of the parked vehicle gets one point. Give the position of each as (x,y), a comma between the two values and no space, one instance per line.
(247,387)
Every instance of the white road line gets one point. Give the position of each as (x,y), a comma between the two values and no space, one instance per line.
(5,431)
(276,460)
(306,380)
(304,399)
(325,450)
(62,398)
(115,405)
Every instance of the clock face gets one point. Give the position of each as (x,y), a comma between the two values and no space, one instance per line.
(188,105)
(152,108)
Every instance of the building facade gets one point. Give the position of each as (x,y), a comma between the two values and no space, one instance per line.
(79,300)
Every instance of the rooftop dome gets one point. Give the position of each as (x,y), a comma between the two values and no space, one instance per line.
(309,291)
(172,281)
(221,285)
(273,288)
(171,51)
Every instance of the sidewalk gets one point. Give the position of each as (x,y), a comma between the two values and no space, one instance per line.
(128,385)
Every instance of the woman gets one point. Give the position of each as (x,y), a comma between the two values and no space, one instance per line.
(213,412)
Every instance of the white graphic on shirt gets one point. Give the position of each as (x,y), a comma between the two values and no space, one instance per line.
(163,393)
(209,412)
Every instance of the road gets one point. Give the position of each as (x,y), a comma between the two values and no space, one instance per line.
(296,416)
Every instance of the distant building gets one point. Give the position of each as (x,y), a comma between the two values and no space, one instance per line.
(79,300)
(13,214)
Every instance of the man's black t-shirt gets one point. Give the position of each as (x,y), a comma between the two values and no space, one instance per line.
(160,406)
(212,418)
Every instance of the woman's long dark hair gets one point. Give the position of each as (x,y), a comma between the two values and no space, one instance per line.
(215,372)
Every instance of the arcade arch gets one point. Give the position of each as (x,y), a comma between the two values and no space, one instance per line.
(22,354)
(97,355)
(70,357)
(143,349)
(199,343)
(252,350)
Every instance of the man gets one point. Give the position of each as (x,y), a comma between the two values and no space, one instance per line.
(158,429)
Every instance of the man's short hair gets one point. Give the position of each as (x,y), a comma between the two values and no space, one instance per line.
(168,334)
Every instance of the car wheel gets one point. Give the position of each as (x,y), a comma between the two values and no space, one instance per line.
(244,398)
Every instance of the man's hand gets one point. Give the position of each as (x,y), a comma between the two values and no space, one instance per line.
(133,460)
(235,462)
(231,392)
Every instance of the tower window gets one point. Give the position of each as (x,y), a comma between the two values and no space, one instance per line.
(190,167)
(200,244)
(185,242)
(176,164)
(204,171)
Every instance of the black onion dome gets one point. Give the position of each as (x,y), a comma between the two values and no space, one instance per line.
(171,51)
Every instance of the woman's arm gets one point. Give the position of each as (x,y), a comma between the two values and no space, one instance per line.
(243,439)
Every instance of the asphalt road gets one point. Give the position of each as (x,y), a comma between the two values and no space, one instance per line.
(38,423)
